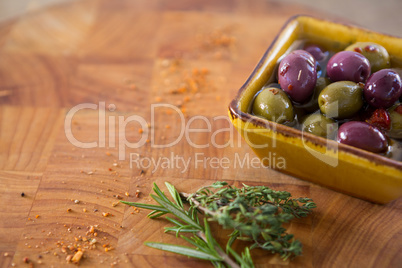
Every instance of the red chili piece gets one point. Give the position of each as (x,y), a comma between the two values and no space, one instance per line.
(371,49)
(380,119)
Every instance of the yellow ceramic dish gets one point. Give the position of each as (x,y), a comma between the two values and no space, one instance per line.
(343,168)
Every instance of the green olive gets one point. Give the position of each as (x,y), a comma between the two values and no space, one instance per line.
(396,121)
(341,99)
(319,125)
(273,104)
(376,54)
(312,105)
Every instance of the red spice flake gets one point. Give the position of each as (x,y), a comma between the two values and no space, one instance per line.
(108,249)
(136,210)
(26,260)
(69,210)
(274,91)
(77,257)
(290,87)
(380,119)
(105,214)
(358,49)
(186,99)
(158,99)
(371,49)
(179,90)
(140,131)
(37,216)
(137,193)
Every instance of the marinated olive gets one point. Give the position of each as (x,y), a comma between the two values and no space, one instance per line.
(348,66)
(376,54)
(297,75)
(273,104)
(383,88)
(316,52)
(319,125)
(395,113)
(315,92)
(341,99)
(312,104)
(362,135)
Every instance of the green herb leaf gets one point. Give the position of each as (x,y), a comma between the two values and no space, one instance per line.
(155,214)
(174,194)
(146,206)
(177,212)
(182,250)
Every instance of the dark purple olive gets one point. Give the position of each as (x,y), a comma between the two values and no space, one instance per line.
(348,66)
(362,135)
(316,52)
(297,75)
(383,88)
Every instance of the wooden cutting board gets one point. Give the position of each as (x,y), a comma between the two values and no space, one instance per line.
(84,74)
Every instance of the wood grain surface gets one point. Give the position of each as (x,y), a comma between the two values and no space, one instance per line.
(123,56)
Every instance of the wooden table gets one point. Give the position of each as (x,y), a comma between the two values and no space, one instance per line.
(110,60)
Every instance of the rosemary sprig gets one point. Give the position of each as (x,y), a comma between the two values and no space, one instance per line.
(255,213)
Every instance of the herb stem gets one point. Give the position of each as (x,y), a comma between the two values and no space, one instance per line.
(198,204)
(220,252)
(200,234)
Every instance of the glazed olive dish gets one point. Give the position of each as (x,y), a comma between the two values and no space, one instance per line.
(351,95)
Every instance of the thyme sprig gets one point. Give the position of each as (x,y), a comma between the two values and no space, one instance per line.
(254,213)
